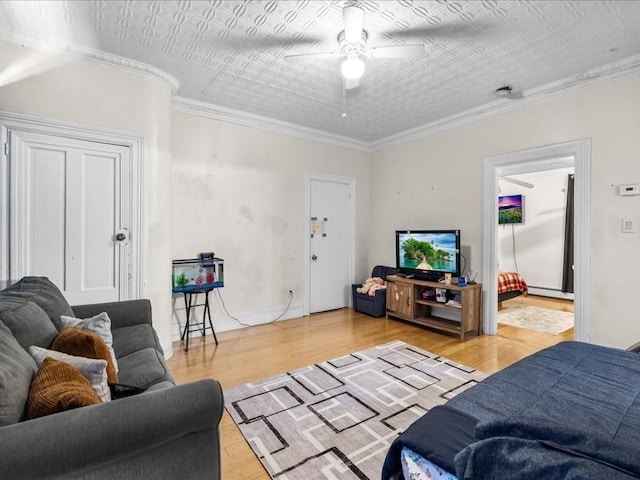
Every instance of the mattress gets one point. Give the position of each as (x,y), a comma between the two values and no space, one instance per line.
(416,467)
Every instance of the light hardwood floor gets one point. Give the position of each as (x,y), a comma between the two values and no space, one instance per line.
(257,352)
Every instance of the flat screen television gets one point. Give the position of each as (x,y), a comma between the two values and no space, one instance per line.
(428,254)
(510,209)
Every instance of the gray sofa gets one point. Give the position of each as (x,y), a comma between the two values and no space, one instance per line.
(165,432)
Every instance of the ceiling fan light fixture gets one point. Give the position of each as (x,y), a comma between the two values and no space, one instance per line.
(352,68)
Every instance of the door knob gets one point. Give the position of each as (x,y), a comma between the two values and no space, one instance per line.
(314,257)
(120,237)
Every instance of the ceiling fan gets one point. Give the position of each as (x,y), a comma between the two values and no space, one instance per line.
(515,181)
(352,43)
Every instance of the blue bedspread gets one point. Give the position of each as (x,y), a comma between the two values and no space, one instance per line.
(569,411)
(574,407)
(516,458)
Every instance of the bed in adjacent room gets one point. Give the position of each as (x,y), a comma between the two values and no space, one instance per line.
(511,285)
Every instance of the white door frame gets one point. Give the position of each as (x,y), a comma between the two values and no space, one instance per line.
(536,159)
(14,121)
(351,183)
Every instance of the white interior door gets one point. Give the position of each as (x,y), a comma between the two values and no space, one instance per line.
(68,218)
(329,245)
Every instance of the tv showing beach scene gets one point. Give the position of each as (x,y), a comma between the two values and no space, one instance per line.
(510,209)
(427,251)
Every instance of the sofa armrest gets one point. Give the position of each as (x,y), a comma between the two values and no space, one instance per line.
(122,314)
(66,444)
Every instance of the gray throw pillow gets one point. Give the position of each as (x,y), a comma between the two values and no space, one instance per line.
(29,323)
(17,369)
(43,291)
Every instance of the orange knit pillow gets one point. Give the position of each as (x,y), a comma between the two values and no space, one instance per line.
(83,343)
(58,387)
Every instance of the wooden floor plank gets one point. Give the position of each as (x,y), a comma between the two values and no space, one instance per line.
(253,353)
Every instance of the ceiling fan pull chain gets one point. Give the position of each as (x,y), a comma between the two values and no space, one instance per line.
(344,98)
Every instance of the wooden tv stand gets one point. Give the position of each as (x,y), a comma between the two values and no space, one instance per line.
(404,301)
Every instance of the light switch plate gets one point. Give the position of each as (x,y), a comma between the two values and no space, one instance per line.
(628,226)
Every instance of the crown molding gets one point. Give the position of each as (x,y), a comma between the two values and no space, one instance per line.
(590,78)
(225,114)
(97,56)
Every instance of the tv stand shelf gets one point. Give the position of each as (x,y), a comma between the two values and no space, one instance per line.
(404,301)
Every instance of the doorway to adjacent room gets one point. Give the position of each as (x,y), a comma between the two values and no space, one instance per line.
(576,154)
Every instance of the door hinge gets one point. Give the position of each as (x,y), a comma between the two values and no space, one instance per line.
(6,149)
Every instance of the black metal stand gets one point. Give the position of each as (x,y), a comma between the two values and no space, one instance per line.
(199,326)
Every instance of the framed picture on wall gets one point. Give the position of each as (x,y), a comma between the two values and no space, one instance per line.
(510,209)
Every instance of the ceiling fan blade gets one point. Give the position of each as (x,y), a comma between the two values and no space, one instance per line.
(403,51)
(351,83)
(311,56)
(517,182)
(270,41)
(353,23)
(450,30)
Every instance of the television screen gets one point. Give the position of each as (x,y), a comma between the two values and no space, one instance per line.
(510,209)
(428,253)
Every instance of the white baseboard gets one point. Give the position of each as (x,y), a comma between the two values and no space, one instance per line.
(224,323)
(546,292)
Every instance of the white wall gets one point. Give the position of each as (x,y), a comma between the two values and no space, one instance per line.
(436,182)
(537,243)
(239,191)
(433,182)
(97,95)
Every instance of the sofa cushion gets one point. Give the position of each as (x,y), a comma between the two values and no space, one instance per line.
(16,372)
(143,368)
(83,343)
(58,387)
(29,323)
(100,324)
(94,370)
(127,340)
(43,292)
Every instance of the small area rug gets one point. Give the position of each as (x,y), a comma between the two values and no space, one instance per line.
(539,319)
(337,419)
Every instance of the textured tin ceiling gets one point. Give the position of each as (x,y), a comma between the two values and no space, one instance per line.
(231,53)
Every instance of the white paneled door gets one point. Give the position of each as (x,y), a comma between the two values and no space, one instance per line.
(69,215)
(330,245)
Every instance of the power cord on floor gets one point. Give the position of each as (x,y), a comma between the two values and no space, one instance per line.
(513,237)
(224,307)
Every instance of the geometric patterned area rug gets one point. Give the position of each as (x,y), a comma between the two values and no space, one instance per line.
(337,419)
(539,319)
